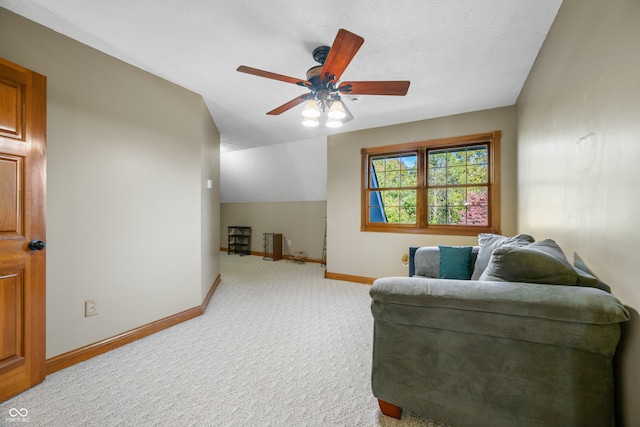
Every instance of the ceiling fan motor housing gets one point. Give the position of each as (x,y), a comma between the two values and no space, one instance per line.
(320,54)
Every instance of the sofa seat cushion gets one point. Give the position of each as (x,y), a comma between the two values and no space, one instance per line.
(566,316)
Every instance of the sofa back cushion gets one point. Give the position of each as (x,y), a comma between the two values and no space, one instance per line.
(539,262)
(488,243)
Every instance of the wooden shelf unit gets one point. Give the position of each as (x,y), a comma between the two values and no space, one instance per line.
(239,240)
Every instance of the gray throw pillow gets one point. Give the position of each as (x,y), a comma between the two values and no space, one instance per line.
(488,243)
(587,280)
(539,262)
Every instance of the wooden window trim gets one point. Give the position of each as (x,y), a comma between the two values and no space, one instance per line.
(492,139)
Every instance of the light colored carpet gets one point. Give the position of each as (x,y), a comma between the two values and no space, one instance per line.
(279,345)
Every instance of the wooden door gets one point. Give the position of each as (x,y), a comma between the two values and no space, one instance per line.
(22,209)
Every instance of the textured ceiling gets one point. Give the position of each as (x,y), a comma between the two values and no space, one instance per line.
(460,55)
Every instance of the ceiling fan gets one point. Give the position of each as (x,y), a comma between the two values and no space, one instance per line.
(323,82)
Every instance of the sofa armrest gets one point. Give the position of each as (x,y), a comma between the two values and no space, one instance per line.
(569,303)
(549,314)
(412,261)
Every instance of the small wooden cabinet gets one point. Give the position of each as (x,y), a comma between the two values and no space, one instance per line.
(239,240)
(272,246)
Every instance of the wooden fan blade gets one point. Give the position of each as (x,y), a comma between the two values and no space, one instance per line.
(344,48)
(289,105)
(270,75)
(398,88)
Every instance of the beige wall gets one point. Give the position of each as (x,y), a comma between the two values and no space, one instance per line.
(125,203)
(301,222)
(367,254)
(578,121)
(210,201)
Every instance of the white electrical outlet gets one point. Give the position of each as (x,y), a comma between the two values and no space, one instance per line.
(289,242)
(90,307)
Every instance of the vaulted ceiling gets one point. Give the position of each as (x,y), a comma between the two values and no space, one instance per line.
(460,55)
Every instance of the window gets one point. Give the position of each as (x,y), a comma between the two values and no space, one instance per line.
(458,185)
(394,180)
(445,186)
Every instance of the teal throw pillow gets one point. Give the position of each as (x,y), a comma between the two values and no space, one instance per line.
(455,262)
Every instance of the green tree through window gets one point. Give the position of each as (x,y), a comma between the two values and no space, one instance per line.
(458,180)
(396,178)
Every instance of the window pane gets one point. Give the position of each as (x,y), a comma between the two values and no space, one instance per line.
(393,171)
(437,197)
(437,176)
(456,157)
(378,180)
(376,209)
(408,216)
(378,163)
(478,174)
(478,215)
(477,206)
(456,196)
(375,198)
(437,215)
(373,177)
(391,198)
(408,197)
(392,213)
(409,161)
(458,206)
(376,172)
(409,178)
(457,175)
(385,177)
(409,170)
(456,215)
(477,155)
(393,206)
(376,214)
(477,196)
(437,158)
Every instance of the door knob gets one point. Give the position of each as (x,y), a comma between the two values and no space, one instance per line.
(36,245)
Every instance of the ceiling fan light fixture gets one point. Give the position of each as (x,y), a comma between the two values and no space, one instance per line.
(337,110)
(325,86)
(311,109)
(310,122)
(333,123)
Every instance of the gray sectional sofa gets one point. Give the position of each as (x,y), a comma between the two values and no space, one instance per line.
(496,352)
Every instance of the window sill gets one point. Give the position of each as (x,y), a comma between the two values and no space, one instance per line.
(438,230)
